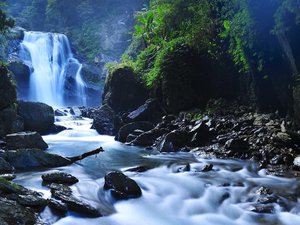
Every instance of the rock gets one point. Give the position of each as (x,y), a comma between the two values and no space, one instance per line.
(59,112)
(237,145)
(131,127)
(64,194)
(8,176)
(21,194)
(7,89)
(207,168)
(37,116)
(123,90)
(148,138)
(105,120)
(297,161)
(150,111)
(5,167)
(121,186)
(24,140)
(75,111)
(13,213)
(173,141)
(59,178)
(55,129)
(21,72)
(283,139)
(58,205)
(32,158)
(140,169)
(9,120)
(34,200)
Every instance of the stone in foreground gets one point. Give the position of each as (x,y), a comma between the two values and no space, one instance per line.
(121,186)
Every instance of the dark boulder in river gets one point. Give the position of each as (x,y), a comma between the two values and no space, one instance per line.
(24,140)
(105,120)
(121,186)
(37,116)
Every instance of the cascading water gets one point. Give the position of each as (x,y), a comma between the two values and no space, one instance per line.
(56,75)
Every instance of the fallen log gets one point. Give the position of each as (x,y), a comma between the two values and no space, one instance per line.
(34,158)
(84,155)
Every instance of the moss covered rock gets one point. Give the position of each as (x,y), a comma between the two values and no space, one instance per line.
(123,90)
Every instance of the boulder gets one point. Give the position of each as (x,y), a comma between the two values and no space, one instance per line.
(5,167)
(22,195)
(148,138)
(37,116)
(24,140)
(123,90)
(13,213)
(149,111)
(65,195)
(173,141)
(9,121)
(237,145)
(7,89)
(59,178)
(121,186)
(32,158)
(21,73)
(131,127)
(105,120)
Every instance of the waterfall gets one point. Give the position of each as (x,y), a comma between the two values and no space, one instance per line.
(56,75)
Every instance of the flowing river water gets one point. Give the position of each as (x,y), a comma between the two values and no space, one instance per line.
(227,195)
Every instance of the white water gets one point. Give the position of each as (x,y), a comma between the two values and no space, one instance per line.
(50,56)
(224,196)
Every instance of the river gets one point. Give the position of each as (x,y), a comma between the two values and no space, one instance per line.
(227,195)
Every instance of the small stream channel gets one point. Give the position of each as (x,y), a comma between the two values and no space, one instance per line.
(230,194)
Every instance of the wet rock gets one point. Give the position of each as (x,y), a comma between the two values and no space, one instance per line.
(150,111)
(59,112)
(131,127)
(105,120)
(8,176)
(237,145)
(64,194)
(37,116)
(121,186)
(59,178)
(58,206)
(13,213)
(261,208)
(148,138)
(24,140)
(32,158)
(173,141)
(139,169)
(283,139)
(75,111)
(130,138)
(21,194)
(5,167)
(297,161)
(57,129)
(33,200)
(207,168)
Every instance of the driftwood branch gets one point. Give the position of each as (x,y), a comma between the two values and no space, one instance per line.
(84,155)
